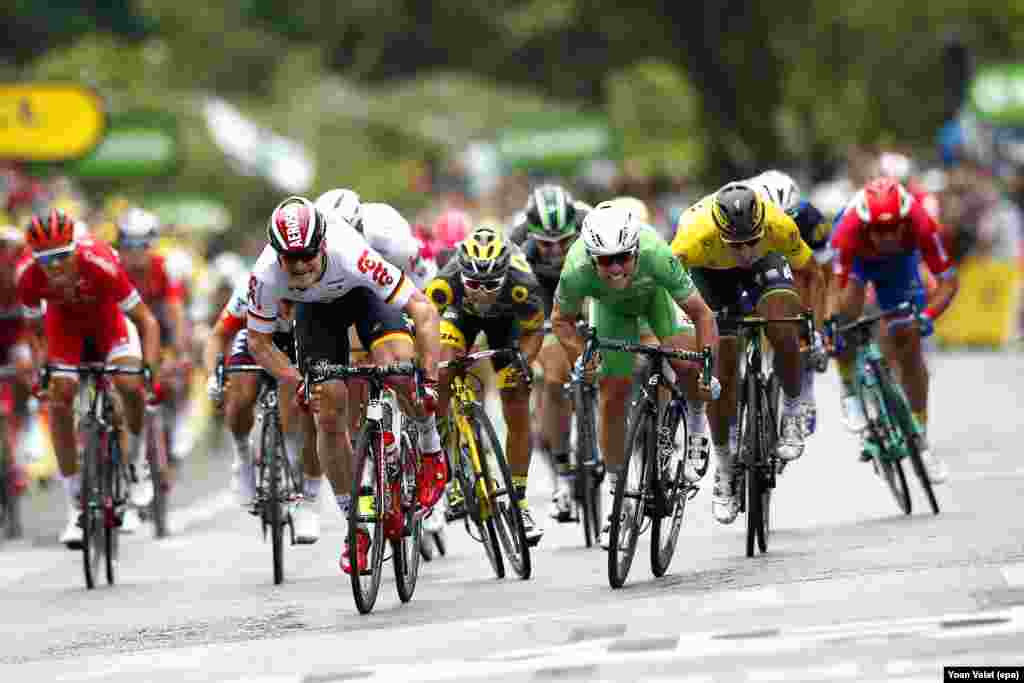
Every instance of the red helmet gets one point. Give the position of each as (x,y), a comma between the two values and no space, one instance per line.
(51,233)
(883,201)
(451,227)
(296,228)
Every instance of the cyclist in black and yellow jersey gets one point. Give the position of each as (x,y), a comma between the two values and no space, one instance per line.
(487,286)
(736,242)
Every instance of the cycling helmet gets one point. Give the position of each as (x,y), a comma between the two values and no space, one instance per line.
(550,213)
(779,187)
(738,211)
(341,204)
(484,254)
(450,228)
(611,229)
(895,165)
(137,228)
(228,269)
(50,233)
(296,228)
(636,206)
(883,201)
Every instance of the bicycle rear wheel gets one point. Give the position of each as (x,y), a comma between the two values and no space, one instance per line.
(486,533)
(274,504)
(91,517)
(665,530)
(10,499)
(587,466)
(630,491)
(405,551)
(503,501)
(366,514)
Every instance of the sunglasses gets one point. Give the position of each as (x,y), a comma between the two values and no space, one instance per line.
(298,258)
(606,261)
(750,244)
(483,285)
(52,260)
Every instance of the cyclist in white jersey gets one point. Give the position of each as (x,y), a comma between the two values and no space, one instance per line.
(338,280)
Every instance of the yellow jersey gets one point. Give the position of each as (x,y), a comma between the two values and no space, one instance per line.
(698,245)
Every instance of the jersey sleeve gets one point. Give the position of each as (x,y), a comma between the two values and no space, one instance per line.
(929,241)
(262,297)
(688,245)
(843,242)
(384,279)
(669,271)
(785,237)
(28,291)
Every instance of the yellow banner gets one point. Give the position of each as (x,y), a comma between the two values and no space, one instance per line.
(49,122)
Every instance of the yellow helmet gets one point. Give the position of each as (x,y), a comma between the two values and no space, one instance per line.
(635,206)
(484,254)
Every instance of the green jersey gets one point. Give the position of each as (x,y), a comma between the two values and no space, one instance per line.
(656,268)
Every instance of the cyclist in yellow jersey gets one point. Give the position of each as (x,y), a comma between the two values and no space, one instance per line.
(740,249)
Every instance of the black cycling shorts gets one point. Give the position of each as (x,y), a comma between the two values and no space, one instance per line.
(722,288)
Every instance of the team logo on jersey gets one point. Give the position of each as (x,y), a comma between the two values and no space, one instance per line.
(520,294)
(375,269)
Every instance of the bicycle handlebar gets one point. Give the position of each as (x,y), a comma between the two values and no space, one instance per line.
(863,321)
(469,359)
(595,343)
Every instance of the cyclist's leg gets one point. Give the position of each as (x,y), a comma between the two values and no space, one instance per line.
(849,306)
(616,377)
(555,422)
(125,349)
(357,391)
(239,403)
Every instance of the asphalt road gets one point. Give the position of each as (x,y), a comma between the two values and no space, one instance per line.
(849,590)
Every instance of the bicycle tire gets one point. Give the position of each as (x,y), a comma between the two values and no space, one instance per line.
(272,454)
(156,454)
(508,523)
(368,467)
(675,491)
(753,466)
(905,420)
(769,444)
(485,528)
(632,513)
(890,465)
(91,505)
(10,499)
(587,461)
(405,551)
(113,469)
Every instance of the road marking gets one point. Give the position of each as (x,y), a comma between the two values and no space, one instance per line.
(984,475)
(201,511)
(1014,574)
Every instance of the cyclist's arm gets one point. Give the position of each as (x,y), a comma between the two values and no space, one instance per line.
(220,337)
(273,360)
(428,335)
(930,243)
(703,319)
(942,297)
(149,331)
(176,312)
(563,324)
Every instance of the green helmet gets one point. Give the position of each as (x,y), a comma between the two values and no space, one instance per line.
(551,213)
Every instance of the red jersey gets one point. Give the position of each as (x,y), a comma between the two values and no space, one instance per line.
(102,284)
(919,232)
(155,285)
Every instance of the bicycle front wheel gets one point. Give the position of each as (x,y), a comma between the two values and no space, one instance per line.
(156,454)
(888,464)
(587,466)
(503,501)
(755,464)
(899,407)
(91,517)
(475,517)
(630,492)
(275,502)
(366,518)
(405,550)
(114,486)
(665,530)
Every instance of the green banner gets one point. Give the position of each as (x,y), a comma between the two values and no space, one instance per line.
(996,94)
(556,143)
(194,211)
(138,144)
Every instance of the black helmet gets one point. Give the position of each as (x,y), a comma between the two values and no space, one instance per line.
(739,213)
(551,213)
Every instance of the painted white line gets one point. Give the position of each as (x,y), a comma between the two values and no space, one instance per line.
(982,475)
(1014,574)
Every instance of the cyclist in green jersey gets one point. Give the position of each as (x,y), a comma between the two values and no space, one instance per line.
(630,273)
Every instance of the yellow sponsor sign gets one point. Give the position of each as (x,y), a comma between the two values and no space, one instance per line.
(49,122)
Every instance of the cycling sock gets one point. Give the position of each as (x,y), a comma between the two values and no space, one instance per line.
(344,504)
(430,440)
(311,488)
(73,487)
(695,418)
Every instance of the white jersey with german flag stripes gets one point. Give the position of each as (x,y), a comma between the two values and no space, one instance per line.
(350,263)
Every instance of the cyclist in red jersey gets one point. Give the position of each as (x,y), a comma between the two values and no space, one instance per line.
(89,304)
(14,349)
(880,239)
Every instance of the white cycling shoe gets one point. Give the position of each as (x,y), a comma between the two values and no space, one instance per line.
(306,522)
(724,502)
(72,536)
(140,491)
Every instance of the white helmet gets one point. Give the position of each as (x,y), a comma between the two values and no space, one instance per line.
(779,187)
(180,265)
(341,204)
(611,228)
(137,227)
(228,269)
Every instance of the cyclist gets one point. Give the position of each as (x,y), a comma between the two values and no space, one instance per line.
(338,280)
(239,400)
(815,230)
(880,239)
(90,303)
(545,230)
(450,228)
(735,243)
(630,272)
(487,286)
(14,348)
